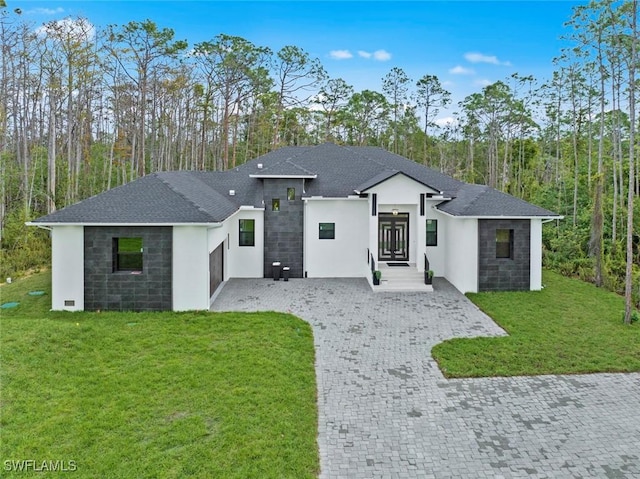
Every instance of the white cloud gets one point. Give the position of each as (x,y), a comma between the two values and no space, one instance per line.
(79,28)
(460,70)
(378,55)
(44,11)
(340,54)
(446,121)
(382,55)
(484,82)
(475,57)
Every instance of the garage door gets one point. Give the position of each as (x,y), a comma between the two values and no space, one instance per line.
(216,268)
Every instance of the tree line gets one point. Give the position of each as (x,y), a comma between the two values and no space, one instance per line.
(82,111)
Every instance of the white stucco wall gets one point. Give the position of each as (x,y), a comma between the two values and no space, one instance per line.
(344,256)
(67,267)
(402,193)
(436,254)
(399,189)
(245,261)
(461,264)
(190,268)
(536,255)
(372,233)
(240,261)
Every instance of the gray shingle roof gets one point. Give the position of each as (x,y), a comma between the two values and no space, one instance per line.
(190,186)
(146,200)
(376,180)
(203,197)
(480,200)
(382,177)
(428,176)
(284,168)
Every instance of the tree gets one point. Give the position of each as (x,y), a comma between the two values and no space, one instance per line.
(295,74)
(395,86)
(70,64)
(495,114)
(431,96)
(366,113)
(332,97)
(234,69)
(630,43)
(591,23)
(144,52)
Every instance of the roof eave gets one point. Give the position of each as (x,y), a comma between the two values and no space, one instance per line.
(333,198)
(396,174)
(306,177)
(503,217)
(76,223)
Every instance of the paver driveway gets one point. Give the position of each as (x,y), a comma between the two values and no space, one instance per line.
(385,409)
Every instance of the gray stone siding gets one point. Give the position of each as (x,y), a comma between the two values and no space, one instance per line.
(504,274)
(107,290)
(283,230)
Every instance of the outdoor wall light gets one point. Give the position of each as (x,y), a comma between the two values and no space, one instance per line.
(394,212)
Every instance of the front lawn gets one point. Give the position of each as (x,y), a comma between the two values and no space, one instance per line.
(568,327)
(155,394)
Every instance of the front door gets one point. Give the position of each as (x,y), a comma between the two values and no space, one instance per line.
(393,237)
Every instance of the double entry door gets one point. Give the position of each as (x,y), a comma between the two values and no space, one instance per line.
(393,237)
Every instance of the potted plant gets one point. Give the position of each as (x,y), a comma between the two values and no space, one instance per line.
(428,277)
(376,277)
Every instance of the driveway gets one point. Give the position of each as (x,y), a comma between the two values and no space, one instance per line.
(386,411)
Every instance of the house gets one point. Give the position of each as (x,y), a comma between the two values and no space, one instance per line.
(167,240)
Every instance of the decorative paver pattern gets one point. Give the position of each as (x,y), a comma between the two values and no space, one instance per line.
(385,410)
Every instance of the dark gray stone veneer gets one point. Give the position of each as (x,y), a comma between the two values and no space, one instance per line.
(107,290)
(283,230)
(504,274)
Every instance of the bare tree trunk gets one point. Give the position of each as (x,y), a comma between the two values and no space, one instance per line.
(628,285)
(596,242)
(51,157)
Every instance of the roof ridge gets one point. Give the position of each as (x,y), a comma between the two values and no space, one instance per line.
(483,188)
(180,193)
(366,157)
(301,168)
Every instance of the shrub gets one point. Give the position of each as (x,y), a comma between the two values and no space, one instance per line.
(23,247)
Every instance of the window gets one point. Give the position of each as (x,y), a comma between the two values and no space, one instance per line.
(504,243)
(275,204)
(247,233)
(327,231)
(127,254)
(432,233)
(291,194)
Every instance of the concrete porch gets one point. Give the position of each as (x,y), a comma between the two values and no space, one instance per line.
(401,278)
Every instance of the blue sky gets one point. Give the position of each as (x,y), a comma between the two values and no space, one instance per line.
(467,44)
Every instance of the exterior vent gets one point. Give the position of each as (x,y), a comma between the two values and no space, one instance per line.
(232,192)
(259,166)
(69,302)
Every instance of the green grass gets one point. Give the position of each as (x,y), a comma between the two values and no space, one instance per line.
(156,394)
(569,327)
